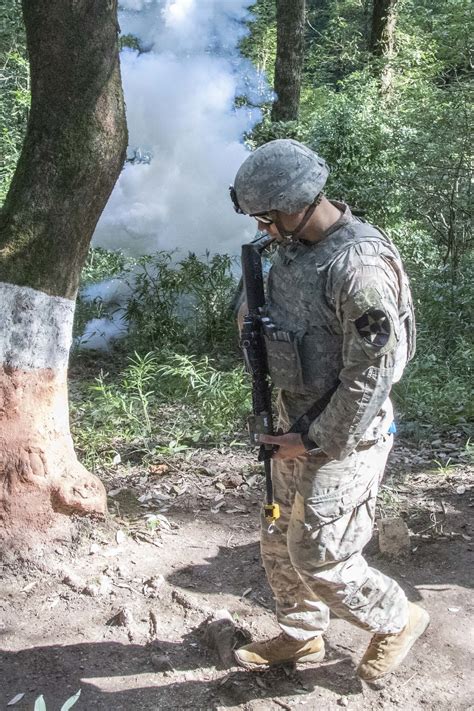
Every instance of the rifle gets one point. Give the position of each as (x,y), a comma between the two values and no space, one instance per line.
(253,346)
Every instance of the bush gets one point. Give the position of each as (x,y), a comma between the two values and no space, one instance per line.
(218,399)
(184,306)
(160,402)
(180,382)
(104,264)
(436,387)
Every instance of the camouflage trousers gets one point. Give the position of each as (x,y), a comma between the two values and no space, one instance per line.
(313,553)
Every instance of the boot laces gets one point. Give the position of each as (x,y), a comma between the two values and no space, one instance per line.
(379,644)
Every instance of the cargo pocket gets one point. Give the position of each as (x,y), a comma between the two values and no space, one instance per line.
(284,363)
(335,525)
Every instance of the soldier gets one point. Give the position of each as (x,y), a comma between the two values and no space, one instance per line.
(338,293)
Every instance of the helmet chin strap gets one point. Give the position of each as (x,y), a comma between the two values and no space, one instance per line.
(293,234)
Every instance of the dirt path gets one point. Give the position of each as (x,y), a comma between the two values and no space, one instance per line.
(123,612)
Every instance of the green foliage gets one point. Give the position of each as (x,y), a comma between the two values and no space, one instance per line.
(117,410)
(103,264)
(129,41)
(211,286)
(160,402)
(184,306)
(436,388)
(271,130)
(15,101)
(219,399)
(404,157)
(139,376)
(130,400)
(260,45)
(170,393)
(336,41)
(153,306)
(180,305)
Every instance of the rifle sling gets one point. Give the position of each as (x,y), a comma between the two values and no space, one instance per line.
(302,424)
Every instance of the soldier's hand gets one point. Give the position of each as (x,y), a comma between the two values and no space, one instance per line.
(289,445)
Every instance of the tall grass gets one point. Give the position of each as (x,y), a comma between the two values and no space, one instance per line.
(159,403)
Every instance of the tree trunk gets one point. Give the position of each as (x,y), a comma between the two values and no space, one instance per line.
(72,155)
(290,17)
(382,38)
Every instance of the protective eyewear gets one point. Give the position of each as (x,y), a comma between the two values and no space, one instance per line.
(259,216)
(263,217)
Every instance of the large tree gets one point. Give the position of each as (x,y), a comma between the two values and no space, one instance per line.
(382,37)
(290,17)
(72,155)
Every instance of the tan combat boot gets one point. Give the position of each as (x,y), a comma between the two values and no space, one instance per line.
(387,651)
(280,650)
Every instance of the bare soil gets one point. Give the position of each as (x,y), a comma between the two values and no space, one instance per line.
(126,610)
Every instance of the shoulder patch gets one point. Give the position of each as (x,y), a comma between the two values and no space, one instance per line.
(374,327)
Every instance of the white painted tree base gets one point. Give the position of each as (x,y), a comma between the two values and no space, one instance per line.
(36,328)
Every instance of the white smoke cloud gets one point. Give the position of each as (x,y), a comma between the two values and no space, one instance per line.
(180,96)
(99,333)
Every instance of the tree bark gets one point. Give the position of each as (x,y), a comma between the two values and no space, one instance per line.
(382,38)
(290,17)
(72,155)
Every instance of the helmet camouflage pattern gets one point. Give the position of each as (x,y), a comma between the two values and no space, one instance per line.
(281,175)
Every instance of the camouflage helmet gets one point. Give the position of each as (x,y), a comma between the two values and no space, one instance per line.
(281,175)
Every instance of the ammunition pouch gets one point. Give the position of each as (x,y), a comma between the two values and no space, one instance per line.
(321,358)
(284,362)
(300,364)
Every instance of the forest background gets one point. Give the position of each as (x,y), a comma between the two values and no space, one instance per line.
(396,131)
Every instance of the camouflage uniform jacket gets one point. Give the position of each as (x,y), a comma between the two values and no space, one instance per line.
(339,310)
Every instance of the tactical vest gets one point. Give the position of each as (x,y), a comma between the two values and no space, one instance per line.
(303,333)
